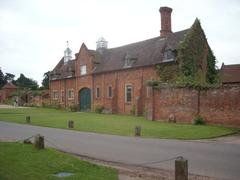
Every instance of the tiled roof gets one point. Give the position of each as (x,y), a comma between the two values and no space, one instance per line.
(230,73)
(9,85)
(144,53)
(62,71)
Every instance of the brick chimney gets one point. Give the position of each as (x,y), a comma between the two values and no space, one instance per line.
(165,21)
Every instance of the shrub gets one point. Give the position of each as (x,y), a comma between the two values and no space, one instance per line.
(152,83)
(99,109)
(55,105)
(45,105)
(198,121)
(8,101)
(73,108)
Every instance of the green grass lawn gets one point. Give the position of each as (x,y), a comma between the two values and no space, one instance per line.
(112,124)
(20,161)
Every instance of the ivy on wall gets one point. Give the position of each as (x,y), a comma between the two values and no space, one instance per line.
(195,62)
(191,54)
(167,72)
(212,72)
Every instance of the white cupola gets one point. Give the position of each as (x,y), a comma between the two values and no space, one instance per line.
(101,45)
(67,54)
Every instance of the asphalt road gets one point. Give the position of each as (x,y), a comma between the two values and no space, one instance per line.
(210,159)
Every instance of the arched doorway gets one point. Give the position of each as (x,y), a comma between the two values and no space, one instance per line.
(85,99)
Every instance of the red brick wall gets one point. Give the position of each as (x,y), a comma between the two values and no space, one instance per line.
(76,83)
(83,81)
(62,85)
(83,58)
(6,93)
(118,80)
(180,102)
(216,106)
(221,106)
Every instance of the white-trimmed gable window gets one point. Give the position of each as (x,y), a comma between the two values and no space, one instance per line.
(128,93)
(83,69)
(168,55)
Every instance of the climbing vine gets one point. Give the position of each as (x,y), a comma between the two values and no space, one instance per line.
(195,62)
(191,53)
(167,72)
(212,73)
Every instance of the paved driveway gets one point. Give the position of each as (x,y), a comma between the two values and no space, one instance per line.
(205,158)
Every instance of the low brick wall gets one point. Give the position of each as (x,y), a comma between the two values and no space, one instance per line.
(221,106)
(216,106)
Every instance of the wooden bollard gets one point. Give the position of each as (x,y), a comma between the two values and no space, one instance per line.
(28,119)
(181,169)
(70,124)
(39,142)
(138,131)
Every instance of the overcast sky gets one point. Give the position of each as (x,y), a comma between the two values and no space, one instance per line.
(33,33)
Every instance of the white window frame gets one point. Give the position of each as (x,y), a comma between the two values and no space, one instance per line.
(166,54)
(108,92)
(97,93)
(83,69)
(70,94)
(62,96)
(55,94)
(126,89)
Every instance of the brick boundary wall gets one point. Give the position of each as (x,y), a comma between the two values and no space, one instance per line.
(219,106)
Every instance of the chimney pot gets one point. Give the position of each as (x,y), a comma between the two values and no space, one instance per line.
(166,27)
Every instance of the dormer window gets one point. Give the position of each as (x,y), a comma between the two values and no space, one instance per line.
(168,55)
(83,70)
(129,61)
(69,69)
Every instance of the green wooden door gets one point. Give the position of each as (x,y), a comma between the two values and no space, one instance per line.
(85,99)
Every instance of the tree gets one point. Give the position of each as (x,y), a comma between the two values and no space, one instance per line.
(45,81)
(2,79)
(9,77)
(24,82)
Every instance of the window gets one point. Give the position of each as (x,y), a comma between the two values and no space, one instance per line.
(109,92)
(128,93)
(55,95)
(70,94)
(83,70)
(62,96)
(127,63)
(168,55)
(129,60)
(97,92)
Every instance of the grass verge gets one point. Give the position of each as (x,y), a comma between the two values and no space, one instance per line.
(113,124)
(20,161)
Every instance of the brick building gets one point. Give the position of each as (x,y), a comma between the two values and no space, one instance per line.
(7,91)
(230,74)
(115,78)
